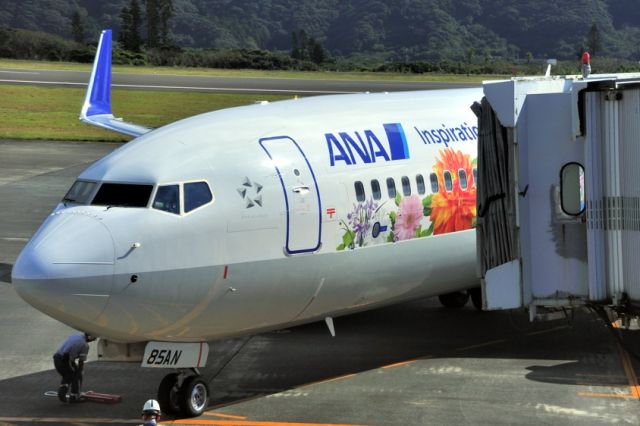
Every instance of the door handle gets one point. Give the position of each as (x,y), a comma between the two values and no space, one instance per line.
(300,189)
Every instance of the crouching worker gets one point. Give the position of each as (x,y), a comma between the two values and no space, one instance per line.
(75,348)
(151,413)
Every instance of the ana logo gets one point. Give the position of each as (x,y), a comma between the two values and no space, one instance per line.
(363,147)
(250,193)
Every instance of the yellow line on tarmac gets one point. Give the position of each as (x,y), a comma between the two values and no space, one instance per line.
(631,374)
(399,364)
(224,416)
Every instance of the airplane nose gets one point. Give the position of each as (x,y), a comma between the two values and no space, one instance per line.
(66,269)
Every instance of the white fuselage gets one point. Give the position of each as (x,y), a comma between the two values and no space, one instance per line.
(296,230)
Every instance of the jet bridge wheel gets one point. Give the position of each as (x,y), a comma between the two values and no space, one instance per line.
(457,299)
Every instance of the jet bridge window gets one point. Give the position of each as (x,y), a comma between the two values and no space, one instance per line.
(122,195)
(360,191)
(168,199)
(375,189)
(80,192)
(196,194)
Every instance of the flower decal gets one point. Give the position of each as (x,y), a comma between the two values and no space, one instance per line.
(410,213)
(451,209)
(455,209)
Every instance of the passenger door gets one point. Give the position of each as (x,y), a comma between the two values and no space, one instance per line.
(301,194)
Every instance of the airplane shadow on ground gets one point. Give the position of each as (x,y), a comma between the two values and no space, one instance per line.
(5,272)
(270,363)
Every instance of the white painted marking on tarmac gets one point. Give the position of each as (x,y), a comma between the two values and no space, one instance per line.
(18,72)
(566,411)
(21,240)
(204,89)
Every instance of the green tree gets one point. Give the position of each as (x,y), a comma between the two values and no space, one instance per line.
(158,14)
(153,25)
(295,47)
(594,40)
(77,28)
(131,21)
(136,25)
(316,51)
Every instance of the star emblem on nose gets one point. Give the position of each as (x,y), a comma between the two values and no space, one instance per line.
(250,193)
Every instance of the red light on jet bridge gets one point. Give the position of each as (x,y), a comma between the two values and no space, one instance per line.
(586,65)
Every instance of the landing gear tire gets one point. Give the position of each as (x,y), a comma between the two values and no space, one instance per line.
(476,297)
(193,396)
(457,299)
(168,394)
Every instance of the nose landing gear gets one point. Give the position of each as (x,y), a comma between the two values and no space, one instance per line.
(184,393)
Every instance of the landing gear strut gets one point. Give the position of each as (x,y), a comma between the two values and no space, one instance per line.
(183,393)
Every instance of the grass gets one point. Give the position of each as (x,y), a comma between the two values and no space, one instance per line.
(51,113)
(310,75)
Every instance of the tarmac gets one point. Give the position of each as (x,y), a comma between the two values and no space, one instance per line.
(410,364)
(293,86)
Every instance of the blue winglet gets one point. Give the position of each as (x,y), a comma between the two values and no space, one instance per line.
(96,109)
(98,100)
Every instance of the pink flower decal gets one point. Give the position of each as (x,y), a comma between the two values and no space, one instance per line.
(410,214)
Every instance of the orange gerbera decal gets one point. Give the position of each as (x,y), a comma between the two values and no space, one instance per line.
(453,207)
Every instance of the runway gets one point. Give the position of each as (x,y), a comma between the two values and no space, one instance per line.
(411,364)
(304,87)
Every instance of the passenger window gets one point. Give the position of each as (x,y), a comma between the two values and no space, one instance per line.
(168,199)
(375,189)
(420,183)
(448,183)
(406,186)
(462,174)
(359,191)
(122,195)
(391,188)
(196,194)
(433,178)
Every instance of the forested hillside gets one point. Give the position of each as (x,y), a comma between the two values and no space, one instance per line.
(388,29)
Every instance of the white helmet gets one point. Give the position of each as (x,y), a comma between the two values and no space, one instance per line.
(151,406)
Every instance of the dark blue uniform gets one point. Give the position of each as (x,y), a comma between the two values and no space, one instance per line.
(74,348)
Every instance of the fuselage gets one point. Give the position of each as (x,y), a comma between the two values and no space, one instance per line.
(264,216)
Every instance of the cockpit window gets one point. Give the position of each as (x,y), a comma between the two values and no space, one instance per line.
(168,199)
(122,195)
(196,194)
(80,192)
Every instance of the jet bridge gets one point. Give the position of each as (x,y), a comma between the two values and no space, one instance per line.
(559,193)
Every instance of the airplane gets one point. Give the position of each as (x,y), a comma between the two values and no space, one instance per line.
(257,218)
